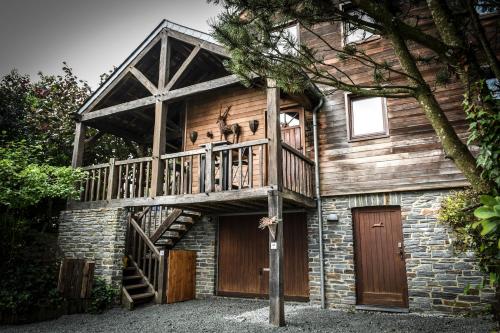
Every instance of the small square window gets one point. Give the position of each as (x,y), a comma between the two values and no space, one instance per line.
(288,39)
(484,8)
(352,33)
(367,117)
(494,86)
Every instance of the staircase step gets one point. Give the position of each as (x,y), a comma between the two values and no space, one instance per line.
(132,277)
(191,214)
(185,220)
(171,234)
(141,298)
(164,242)
(178,227)
(133,287)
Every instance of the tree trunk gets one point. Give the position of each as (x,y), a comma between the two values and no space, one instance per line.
(454,148)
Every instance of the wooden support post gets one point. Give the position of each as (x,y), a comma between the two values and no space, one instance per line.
(160,127)
(159,144)
(112,180)
(78,145)
(275,163)
(275,206)
(209,168)
(162,277)
(276,287)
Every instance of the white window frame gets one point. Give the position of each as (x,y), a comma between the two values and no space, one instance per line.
(289,25)
(348,98)
(343,36)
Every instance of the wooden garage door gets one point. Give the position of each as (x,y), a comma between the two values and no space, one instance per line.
(244,257)
(379,256)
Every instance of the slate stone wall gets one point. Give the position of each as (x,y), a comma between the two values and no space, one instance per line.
(436,275)
(202,239)
(98,235)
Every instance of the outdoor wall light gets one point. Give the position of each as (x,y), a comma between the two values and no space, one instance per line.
(332,218)
(254,125)
(193,136)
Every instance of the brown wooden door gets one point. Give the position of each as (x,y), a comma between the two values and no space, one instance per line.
(379,256)
(181,275)
(244,257)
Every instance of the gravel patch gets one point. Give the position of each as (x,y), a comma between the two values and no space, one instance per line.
(239,315)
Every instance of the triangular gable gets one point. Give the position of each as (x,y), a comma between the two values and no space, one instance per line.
(141,78)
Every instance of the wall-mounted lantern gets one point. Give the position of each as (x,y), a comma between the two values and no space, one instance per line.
(332,218)
(254,125)
(193,136)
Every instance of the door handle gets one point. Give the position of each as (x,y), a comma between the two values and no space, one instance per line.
(401,251)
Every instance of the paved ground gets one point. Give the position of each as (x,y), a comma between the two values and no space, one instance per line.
(236,315)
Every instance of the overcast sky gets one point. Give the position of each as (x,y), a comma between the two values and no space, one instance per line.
(91,35)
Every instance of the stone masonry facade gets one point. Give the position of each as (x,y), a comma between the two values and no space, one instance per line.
(97,235)
(202,239)
(436,275)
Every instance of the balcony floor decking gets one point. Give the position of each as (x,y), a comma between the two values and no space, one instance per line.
(244,200)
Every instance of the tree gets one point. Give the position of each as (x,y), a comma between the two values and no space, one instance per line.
(257,36)
(43,114)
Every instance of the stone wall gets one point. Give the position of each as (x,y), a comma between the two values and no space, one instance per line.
(98,235)
(202,239)
(436,274)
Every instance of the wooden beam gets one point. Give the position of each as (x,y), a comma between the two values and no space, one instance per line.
(164,61)
(118,75)
(143,80)
(210,47)
(274,166)
(141,102)
(160,127)
(276,271)
(183,67)
(184,200)
(78,145)
(166,96)
(159,144)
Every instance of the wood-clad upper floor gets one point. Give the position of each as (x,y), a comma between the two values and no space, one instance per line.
(409,156)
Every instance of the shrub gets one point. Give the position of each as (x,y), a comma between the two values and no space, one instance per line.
(103,296)
(475,229)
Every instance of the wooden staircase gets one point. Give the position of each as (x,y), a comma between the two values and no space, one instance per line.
(149,237)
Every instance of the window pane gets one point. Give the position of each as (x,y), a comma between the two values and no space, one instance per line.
(494,86)
(352,33)
(367,116)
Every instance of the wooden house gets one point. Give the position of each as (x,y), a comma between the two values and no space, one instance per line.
(225,155)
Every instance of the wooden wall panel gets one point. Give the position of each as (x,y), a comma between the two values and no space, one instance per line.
(246,104)
(411,158)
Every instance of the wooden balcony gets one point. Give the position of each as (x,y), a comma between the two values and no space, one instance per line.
(217,178)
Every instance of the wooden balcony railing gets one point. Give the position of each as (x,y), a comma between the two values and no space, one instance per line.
(182,172)
(298,171)
(95,184)
(214,168)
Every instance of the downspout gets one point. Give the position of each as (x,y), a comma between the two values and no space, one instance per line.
(318,200)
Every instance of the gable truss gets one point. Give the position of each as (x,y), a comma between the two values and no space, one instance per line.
(162,90)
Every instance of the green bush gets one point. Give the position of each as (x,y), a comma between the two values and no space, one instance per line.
(474,223)
(489,228)
(103,296)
